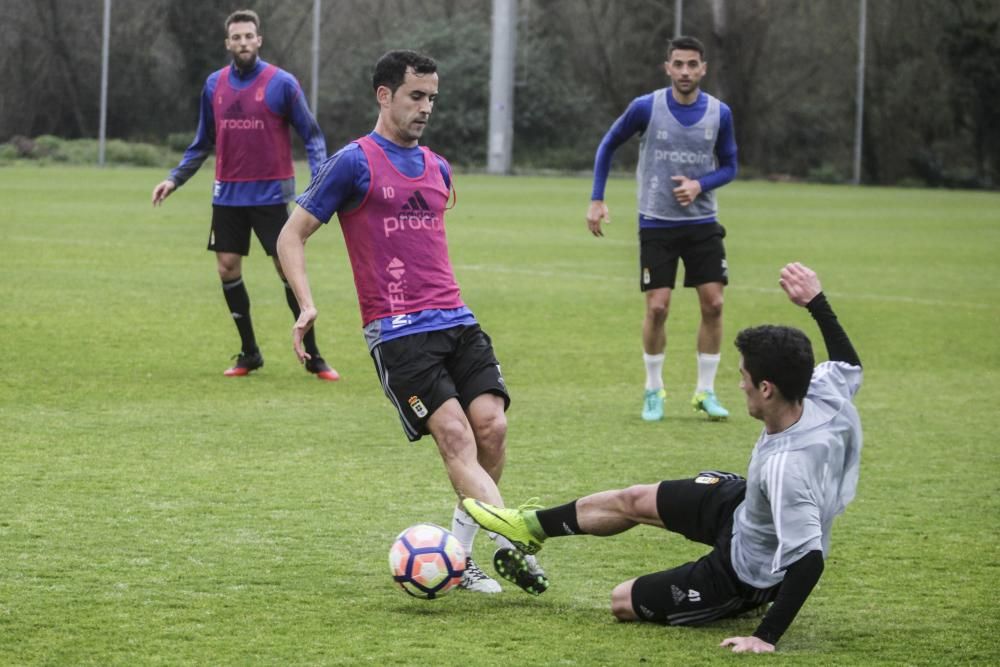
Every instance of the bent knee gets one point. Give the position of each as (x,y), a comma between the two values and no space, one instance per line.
(621,602)
(488,420)
(454,438)
(491,432)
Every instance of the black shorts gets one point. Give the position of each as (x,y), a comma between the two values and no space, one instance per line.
(700,246)
(231,227)
(707,589)
(421,371)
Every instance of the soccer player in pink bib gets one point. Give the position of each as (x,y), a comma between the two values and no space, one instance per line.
(435,363)
(246,111)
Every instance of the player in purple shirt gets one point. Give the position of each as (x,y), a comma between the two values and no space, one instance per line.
(245,113)
(687,151)
(435,363)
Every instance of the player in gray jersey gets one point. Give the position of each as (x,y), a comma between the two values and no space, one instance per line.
(770,532)
(687,151)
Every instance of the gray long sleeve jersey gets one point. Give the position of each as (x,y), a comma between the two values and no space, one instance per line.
(799,480)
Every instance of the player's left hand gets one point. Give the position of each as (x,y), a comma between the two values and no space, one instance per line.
(302,326)
(800,283)
(747,645)
(687,189)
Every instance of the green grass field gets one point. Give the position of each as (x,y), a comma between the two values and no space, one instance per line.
(154,512)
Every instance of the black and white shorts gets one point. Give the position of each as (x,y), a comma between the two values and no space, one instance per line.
(231,227)
(421,371)
(700,246)
(707,589)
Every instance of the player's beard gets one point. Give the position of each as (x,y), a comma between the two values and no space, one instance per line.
(245,61)
(686,87)
(411,131)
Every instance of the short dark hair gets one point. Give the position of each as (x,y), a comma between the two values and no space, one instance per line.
(243,16)
(781,355)
(686,43)
(390,70)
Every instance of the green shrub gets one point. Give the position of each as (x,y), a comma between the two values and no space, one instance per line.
(179,141)
(825,173)
(48,148)
(140,155)
(77,151)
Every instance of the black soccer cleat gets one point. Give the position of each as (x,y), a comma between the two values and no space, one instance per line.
(318,367)
(521,570)
(244,364)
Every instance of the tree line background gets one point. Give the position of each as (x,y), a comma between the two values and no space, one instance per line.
(787,69)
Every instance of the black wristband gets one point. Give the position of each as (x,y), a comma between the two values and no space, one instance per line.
(838,345)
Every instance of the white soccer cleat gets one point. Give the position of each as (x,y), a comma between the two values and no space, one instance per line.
(477,581)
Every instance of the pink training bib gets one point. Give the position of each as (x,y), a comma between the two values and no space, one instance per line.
(252,143)
(396,240)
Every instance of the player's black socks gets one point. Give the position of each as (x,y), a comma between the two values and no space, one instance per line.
(559,521)
(239,307)
(309,340)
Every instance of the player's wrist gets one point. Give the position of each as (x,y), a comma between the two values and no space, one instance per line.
(767,636)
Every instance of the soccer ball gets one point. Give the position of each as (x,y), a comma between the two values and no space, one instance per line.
(426,561)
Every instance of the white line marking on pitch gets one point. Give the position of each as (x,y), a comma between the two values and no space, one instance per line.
(764,290)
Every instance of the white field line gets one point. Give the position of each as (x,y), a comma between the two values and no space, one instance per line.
(887,298)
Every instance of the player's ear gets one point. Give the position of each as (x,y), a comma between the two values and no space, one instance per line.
(383,95)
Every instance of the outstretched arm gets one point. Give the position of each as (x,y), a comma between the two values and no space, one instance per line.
(800,578)
(292,255)
(803,288)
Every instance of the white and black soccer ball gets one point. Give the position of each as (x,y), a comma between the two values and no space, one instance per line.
(426,561)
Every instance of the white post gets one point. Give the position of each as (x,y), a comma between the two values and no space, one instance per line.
(105,48)
(678,18)
(501,121)
(314,93)
(859,112)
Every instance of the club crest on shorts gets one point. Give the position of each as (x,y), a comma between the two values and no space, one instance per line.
(645,276)
(704,479)
(418,407)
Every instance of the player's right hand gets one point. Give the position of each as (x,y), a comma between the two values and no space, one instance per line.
(162,191)
(596,214)
(299,330)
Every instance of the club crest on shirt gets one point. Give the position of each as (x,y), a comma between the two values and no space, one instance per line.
(417,406)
